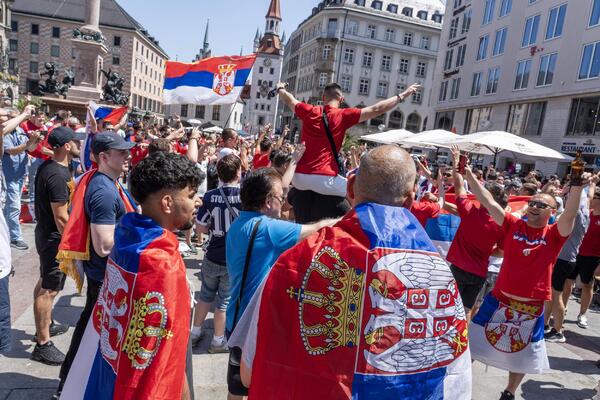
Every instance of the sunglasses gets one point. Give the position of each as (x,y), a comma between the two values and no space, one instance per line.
(540,205)
(280,199)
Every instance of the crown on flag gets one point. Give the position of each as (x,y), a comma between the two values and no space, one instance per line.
(329,303)
(225,69)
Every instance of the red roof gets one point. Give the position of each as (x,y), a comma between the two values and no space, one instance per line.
(274,10)
(270,44)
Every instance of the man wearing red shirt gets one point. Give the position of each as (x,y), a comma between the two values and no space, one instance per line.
(425,209)
(262,151)
(317,178)
(474,240)
(507,331)
(41,153)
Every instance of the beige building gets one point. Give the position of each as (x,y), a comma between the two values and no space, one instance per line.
(529,67)
(8,76)
(374,49)
(42,31)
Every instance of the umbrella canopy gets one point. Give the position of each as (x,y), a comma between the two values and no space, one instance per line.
(429,139)
(194,121)
(496,142)
(213,129)
(389,137)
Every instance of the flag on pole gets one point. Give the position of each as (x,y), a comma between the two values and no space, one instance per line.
(215,80)
(366,309)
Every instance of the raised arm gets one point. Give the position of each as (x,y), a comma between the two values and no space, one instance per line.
(92,121)
(192,150)
(566,221)
(384,106)
(484,197)
(285,96)
(459,184)
(123,122)
(289,172)
(12,123)
(261,136)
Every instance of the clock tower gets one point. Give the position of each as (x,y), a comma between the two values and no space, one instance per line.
(259,109)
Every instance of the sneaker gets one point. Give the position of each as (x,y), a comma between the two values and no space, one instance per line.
(555,336)
(547,329)
(55,330)
(216,347)
(19,245)
(47,354)
(196,339)
(506,395)
(582,321)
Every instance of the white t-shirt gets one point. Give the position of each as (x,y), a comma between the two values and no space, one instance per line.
(203,188)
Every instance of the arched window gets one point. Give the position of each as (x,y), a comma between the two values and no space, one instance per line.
(407,11)
(396,119)
(377,121)
(272,24)
(413,123)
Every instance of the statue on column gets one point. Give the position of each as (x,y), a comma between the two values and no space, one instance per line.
(113,88)
(51,85)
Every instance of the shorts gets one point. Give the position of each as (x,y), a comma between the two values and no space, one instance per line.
(469,285)
(585,267)
(311,206)
(215,284)
(562,271)
(52,277)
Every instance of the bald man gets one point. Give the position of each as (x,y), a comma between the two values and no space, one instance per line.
(364,309)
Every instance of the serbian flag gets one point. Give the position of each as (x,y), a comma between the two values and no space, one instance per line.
(366,309)
(215,80)
(112,115)
(134,346)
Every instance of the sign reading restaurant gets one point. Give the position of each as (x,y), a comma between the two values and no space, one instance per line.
(588,147)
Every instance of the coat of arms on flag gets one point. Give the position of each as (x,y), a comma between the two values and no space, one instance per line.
(225,79)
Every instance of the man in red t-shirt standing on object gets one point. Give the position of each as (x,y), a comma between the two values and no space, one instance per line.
(508,330)
(321,190)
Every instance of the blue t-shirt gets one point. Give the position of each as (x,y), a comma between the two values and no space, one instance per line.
(14,167)
(272,238)
(215,214)
(103,206)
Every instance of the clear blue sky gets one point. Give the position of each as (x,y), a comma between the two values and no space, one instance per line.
(179,24)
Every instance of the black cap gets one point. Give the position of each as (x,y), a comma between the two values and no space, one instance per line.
(60,136)
(109,141)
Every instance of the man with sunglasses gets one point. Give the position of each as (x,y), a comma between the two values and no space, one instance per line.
(507,331)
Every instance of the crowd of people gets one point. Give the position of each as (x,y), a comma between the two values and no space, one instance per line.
(110,198)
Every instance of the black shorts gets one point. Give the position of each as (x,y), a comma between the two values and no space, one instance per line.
(469,285)
(562,271)
(52,277)
(311,207)
(585,267)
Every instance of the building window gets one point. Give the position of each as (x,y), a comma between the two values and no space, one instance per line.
(595,15)
(386,63)
(56,32)
(400,87)
(323,78)
(326,51)
(34,48)
(437,17)
(444,120)
(531,29)
(500,41)
(371,31)
(258,95)
(488,13)
(505,7)
(35,29)
(116,60)
(14,25)
(408,37)
(352,27)
(349,56)
(417,97)
(390,35)
(55,51)
(466,25)
(393,8)
(73,53)
(117,41)
(184,110)
(526,119)
(546,71)
(453,28)
(523,72)
(476,85)
(256,106)
(584,118)
(590,61)
(413,123)
(483,45)
(460,55)
(363,87)
(492,82)
(448,59)
(12,66)
(260,70)
(422,15)
(367,60)
(403,66)
(425,42)
(556,20)
(477,118)
(216,113)
(13,45)
(454,91)
(395,121)
(421,69)
(272,71)
(377,4)
(346,84)
(33,67)
(443,91)
(407,11)
(382,89)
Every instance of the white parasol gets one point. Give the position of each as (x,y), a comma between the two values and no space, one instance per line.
(429,139)
(388,137)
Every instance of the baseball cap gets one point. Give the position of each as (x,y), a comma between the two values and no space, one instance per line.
(109,141)
(60,136)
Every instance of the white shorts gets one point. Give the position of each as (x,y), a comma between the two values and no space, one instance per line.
(327,185)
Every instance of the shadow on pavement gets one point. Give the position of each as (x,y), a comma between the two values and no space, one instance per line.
(582,341)
(538,390)
(22,346)
(64,312)
(33,385)
(573,365)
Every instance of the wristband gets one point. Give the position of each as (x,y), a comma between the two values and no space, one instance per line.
(400,98)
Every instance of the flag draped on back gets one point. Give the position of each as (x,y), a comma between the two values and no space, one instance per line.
(135,343)
(216,80)
(75,241)
(364,310)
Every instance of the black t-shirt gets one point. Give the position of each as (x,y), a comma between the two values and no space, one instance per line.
(51,186)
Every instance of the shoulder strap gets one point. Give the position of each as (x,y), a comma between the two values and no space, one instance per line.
(233,212)
(334,151)
(245,273)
